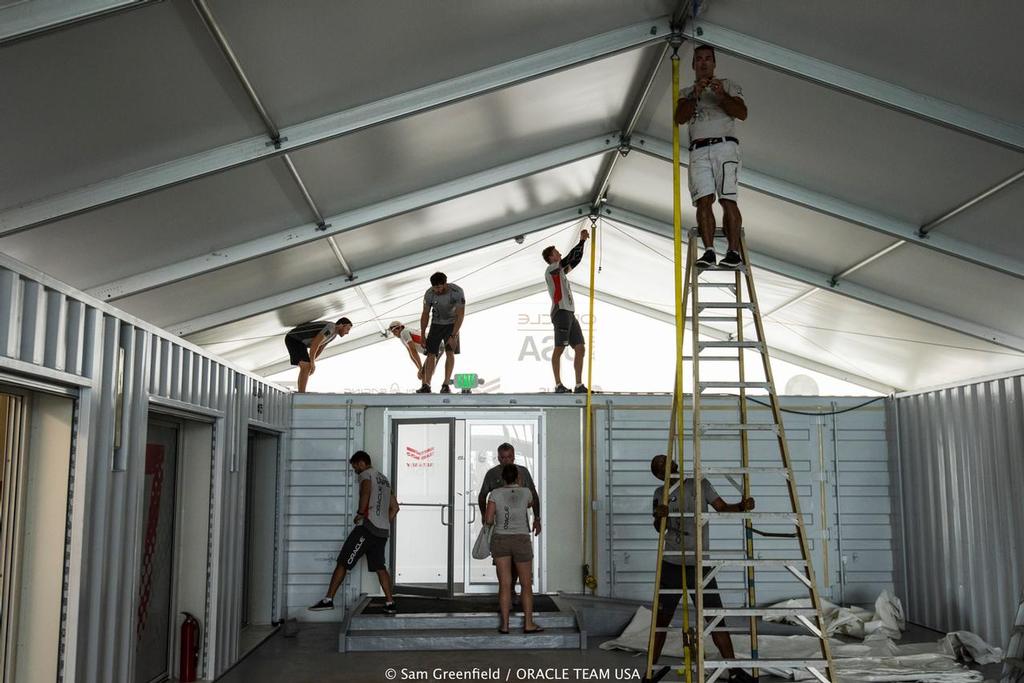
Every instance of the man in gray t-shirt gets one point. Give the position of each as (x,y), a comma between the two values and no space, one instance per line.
(681,535)
(710,107)
(447,301)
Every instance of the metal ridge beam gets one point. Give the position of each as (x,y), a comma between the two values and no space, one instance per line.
(848,289)
(355,218)
(869,88)
(843,210)
(332,126)
(780,354)
(371,339)
(380,270)
(21,20)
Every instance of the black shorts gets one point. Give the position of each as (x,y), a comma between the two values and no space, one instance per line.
(672,577)
(567,329)
(438,335)
(361,542)
(297,349)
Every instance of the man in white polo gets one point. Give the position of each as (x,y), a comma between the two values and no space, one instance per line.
(711,107)
(414,343)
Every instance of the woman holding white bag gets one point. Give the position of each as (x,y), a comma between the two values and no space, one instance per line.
(508,513)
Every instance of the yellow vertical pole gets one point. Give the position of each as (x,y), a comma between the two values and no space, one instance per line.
(589,513)
(677,245)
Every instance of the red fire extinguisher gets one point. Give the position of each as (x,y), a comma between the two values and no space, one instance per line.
(188,662)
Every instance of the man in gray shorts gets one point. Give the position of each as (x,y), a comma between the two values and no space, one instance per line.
(493,481)
(681,535)
(448,302)
(563,312)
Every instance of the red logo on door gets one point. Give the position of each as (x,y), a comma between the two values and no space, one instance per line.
(419,457)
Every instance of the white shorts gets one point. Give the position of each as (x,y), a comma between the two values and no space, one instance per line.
(715,170)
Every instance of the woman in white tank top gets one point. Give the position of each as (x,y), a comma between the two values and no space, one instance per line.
(508,510)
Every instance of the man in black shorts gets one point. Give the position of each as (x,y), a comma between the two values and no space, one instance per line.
(448,302)
(563,312)
(681,535)
(377,509)
(307,341)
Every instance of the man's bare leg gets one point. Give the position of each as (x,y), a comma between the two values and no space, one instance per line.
(556,363)
(449,364)
(732,223)
(428,368)
(336,578)
(706,220)
(385,584)
(303,375)
(577,362)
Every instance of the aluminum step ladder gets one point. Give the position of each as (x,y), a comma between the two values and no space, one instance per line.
(737,296)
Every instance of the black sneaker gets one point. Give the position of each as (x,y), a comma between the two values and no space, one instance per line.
(580,389)
(445,389)
(562,389)
(326,603)
(740,676)
(390,608)
(707,260)
(425,389)
(732,260)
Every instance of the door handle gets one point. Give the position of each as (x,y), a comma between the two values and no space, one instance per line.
(472,518)
(443,508)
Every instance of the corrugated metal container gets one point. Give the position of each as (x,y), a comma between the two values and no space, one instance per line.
(960,455)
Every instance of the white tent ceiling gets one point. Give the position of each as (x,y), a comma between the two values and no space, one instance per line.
(429,136)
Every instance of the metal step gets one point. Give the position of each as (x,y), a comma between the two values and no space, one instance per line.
(740,426)
(720,285)
(764,516)
(764,663)
(729,345)
(462,639)
(744,562)
(713,318)
(469,620)
(746,470)
(723,269)
(735,384)
(712,359)
(759,612)
(734,305)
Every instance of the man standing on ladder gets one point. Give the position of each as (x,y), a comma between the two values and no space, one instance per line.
(448,303)
(563,312)
(711,106)
(680,546)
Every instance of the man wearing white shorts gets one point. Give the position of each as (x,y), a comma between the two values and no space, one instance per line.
(413,341)
(711,106)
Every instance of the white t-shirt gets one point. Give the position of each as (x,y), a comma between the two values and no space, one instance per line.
(512,503)
(408,334)
(709,120)
(683,532)
(376,518)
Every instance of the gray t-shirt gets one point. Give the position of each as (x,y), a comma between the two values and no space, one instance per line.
(376,520)
(306,332)
(512,503)
(493,481)
(709,120)
(444,305)
(688,538)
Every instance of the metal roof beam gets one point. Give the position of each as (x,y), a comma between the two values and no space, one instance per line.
(371,339)
(333,125)
(380,270)
(866,87)
(838,208)
(721,335)
(848,289)
(20,20)
(350,220)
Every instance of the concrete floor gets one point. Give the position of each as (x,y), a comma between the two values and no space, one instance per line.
(311,657)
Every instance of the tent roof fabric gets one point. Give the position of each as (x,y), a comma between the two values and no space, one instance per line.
(430,136)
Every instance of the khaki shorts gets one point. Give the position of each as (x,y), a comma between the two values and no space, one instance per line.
(516,546)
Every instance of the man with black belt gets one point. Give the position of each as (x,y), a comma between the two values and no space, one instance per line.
(681,537)
(711,106)
(307,341)
(493,481)
(448,302)
(377,509)
(563,312)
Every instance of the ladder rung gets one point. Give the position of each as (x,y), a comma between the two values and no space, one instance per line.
(711,359)
(786,516)
(739,426)
(764,663)
(746,470)
(713,318)
(730,285)
(728,345)
(741,305)
(760,612)
(744,562)
(711,269)
(734,384)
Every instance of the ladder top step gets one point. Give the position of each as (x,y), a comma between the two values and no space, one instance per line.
(735,384)
(760,612)
(711,269)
